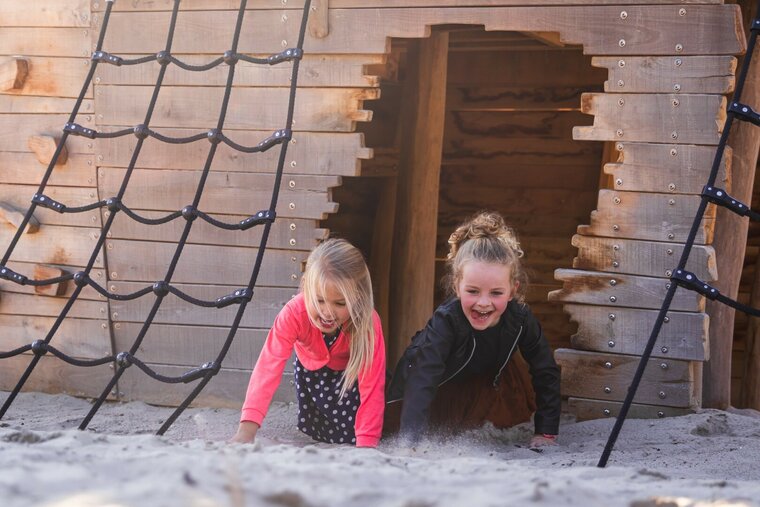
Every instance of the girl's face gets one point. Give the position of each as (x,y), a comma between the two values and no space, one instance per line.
(484,290)
(332,307)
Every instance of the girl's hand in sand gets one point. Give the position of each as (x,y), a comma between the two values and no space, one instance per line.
(246,433)
(542,441)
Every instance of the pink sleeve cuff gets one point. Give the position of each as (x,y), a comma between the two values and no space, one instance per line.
(252,415)
(366,441)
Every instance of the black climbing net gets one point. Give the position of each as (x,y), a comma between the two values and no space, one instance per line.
(685,279)
(190,213)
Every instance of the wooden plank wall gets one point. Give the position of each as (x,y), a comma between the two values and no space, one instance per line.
(340,73)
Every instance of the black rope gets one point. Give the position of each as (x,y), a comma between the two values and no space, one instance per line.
(706,199)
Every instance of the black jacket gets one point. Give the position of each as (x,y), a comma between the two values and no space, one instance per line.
(442,349)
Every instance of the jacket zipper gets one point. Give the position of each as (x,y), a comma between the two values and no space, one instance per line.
(509,356)
(474,344)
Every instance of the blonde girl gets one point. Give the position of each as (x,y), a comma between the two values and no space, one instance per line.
(340,353)
(466,346)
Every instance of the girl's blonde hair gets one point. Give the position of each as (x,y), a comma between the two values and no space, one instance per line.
(487,238)
(340,264)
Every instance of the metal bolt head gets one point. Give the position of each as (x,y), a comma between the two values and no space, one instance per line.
(292,184)
(682,12)
(611,316)
(616,200)
(611,344)
(677,87)
(615,227)
(619,182)
(619,132)
(662,395)
(623,14)
(292,227)
(669,251)
(621,102)
(613,299)
(664,350)
(292,205)
(672,187)
(292,242)
(621,43)
(607,390)
(619,146)
(676,102)
(673,152)
(660,414)
(606,411)
(679,48)
(621,63)
(616,247)
(615,264)
(608,365)
(668,272)
(613,282)
(678,62)
(664,366)
(671,236)
(621,84)
(674,135)
(672,202)
(666,320)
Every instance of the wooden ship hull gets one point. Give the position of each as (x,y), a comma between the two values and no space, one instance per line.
(591,127)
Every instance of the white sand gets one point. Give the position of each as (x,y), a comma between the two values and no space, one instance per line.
(706,459)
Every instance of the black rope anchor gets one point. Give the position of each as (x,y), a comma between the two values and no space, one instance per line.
(162,288)
(681,277)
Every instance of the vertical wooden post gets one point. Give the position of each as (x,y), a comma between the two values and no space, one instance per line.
(382,247)
(730,243)
(413,261)
(750,390)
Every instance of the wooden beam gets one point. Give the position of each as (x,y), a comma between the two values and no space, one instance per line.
(319,26)
(750,390)
(44,148)
(412,264)
(585,409)
(13,73)
(43,272)
(14,216)
(730,245)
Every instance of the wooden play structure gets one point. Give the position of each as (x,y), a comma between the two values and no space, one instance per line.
(590,125)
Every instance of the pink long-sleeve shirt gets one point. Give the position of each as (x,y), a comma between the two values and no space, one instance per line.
(293,329)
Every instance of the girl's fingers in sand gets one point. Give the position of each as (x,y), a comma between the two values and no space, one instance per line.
(246,433)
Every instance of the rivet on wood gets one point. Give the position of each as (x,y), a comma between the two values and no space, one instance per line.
(669,251)
(671,236)
(678,62)
(662,395)
(677,87)
(621,63)
(606,411)
(679,48)
(284,18)
(292,259)
(676,102)
(292,227)
(673,152)
(664,366)
(621,83)
(619,146)
(615,264)
(615,227)
(621,102)
(619,132)
(608,365)
(668,272)
(666,320)
(672,202)
(672,187)
(682,12)
(611,316)
(292,242)
(621,43)
(293,163)
(611,344)
(104,326)
(667,286)
(623,15)
(115,315)
(660,413)
(664,350)
(607,390)
(294,277)
(613,299)
(616,200)
(113,288)
(616,247)
(293,141)
(674,135)
(292,184)
(110,246)
(613,282)
(292,205)
(114,274)
(619,182)
(284,43)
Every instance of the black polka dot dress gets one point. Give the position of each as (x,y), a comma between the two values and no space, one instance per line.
(322,414)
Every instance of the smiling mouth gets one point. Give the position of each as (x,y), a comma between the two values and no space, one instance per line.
(478,315)
(327,323)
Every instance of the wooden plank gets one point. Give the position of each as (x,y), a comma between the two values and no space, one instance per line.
(27,269)
(668,74)
(16,129)
(589,287)
(320,109)
(658,217)
(43,13)
(44,272)
(82,338)
(522,151)
(54,376)
(24,168)
(68,246)
(13,73)
(226,389)
(18,305)
(293,234)
(585,410)
(646,29)
(66,42)
(20,197)
(338,153)
(542,177)
(382,248)
(20,104)
(14,217)
(667,168)
(646,258)
(56,77)
(319,24)
(657,118)
(492,98)
(44,149)
(166,5)
(627,330)
(260,312)
(607,377)
(750,373)
(202,264)
(233,193)
(192,345)
(412,272)
(314,70)
(514,124)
